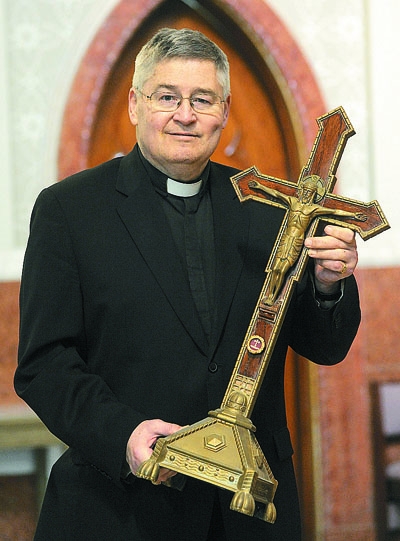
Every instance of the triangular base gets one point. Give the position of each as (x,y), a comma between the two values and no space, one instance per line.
(223,453)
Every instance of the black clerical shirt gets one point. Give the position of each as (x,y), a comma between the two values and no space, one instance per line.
(191,222)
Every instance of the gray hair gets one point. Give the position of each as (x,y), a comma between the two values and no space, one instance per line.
(170,43)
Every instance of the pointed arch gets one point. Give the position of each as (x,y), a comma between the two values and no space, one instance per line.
(250,28)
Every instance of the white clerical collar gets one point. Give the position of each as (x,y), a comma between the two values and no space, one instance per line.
(183,189)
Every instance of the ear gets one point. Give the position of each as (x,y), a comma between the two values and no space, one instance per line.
(227,106)
(132,104)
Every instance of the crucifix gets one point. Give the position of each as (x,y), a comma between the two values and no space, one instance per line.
(222,448)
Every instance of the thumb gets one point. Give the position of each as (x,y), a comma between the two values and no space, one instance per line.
(166,429)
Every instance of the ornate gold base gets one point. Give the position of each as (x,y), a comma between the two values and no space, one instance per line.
(221,450)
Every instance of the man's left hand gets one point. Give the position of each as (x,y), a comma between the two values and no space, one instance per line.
(335,255)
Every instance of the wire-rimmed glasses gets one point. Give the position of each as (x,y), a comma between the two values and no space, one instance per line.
(168,102)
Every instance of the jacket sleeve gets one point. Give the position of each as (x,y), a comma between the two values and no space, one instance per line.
(52,374)
(325,336)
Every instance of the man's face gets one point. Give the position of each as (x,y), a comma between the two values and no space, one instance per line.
(307,194)
(179,143)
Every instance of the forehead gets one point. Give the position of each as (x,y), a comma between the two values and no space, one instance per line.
(184,73)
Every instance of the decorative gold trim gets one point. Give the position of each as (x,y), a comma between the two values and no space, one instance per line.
(255,344)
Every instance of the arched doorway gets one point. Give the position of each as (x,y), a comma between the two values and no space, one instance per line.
(273,86)
(272,125)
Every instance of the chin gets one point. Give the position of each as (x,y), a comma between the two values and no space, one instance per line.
(184,158)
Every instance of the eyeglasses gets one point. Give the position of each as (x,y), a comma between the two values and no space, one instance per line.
(203,102)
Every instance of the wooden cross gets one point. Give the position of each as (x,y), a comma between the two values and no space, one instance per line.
(365,218)
(222,448)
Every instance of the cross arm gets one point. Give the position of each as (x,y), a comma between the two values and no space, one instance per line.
(374,223)
(242,183)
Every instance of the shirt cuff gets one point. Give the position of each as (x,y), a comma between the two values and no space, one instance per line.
(326,301)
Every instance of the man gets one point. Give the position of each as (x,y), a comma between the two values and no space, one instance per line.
(139,281)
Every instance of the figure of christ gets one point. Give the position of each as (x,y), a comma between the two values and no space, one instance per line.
(301,212)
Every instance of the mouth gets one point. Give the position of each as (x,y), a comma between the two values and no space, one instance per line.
(183,135)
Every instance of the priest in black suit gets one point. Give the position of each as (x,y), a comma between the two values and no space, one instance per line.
(139,282)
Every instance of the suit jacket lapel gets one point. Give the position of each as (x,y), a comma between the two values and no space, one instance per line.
(231,226)
(146,223)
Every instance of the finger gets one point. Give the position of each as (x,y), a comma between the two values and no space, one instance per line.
(164,475)
(329,243)
(336,269)
(335,237)
(341,233)
(159,428)
(330,271)
(156,428)
(339,255)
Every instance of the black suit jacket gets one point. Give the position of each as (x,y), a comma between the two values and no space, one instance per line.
(110,337)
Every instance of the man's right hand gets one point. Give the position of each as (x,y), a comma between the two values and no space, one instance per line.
(141,443)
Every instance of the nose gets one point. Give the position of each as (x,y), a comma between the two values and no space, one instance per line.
(185,112)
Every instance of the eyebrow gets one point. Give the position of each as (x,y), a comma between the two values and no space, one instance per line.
(174,88)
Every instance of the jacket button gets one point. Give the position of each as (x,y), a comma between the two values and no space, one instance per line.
(338,321)
(212,367)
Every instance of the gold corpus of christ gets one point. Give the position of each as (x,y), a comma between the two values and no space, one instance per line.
(222,449)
